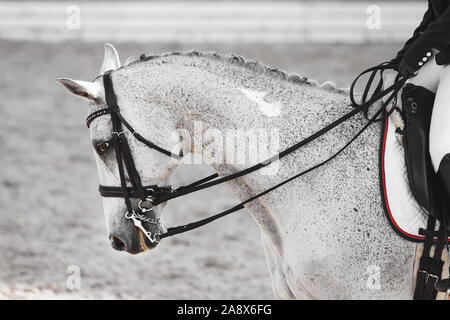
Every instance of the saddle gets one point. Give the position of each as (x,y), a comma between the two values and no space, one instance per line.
(411,189)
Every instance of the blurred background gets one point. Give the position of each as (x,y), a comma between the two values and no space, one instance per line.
(51,219)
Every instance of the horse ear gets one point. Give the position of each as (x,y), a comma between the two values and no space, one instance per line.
(111,59)
(92,91)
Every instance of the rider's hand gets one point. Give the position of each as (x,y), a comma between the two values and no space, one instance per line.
(406,69)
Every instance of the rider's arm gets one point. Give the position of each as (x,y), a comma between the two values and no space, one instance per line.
(436,36)
(427,19)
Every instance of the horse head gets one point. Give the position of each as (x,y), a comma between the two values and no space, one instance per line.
(151,167)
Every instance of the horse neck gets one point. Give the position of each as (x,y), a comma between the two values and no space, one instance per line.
(278,112)
(207,96)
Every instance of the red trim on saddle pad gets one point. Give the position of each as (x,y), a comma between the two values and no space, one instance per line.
(384,192)
(387,209)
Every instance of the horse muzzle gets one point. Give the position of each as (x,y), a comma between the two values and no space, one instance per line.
(139,233)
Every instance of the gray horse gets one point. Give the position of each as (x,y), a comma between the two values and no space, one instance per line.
(325,235)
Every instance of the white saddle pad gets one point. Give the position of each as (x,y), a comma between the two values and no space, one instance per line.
(404,213)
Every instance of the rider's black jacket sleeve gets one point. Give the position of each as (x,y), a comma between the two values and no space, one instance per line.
(433,33)
(427,19)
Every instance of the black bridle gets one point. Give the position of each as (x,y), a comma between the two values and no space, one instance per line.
(153,195)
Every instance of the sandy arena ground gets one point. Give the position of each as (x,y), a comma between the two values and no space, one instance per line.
(50,212)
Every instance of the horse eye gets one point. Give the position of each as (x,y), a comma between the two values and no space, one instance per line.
(102,147)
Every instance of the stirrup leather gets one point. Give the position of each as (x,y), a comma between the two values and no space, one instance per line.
(443,193)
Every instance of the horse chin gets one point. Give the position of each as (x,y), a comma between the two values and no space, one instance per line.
(142,245)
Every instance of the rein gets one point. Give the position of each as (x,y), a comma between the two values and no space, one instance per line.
(153,195)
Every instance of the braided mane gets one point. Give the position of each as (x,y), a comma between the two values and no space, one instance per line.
(240,61)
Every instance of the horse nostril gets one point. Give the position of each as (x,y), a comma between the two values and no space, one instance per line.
(117,244)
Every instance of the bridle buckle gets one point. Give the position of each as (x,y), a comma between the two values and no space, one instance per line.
(118,134)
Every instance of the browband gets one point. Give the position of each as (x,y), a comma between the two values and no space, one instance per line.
(98,113)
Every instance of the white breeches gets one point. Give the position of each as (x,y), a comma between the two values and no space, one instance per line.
(436,78)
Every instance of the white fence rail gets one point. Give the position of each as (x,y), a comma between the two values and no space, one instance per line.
(190,22)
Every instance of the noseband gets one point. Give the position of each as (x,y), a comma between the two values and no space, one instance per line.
(153,195)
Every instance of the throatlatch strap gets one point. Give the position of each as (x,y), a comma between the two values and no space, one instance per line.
(148,143)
